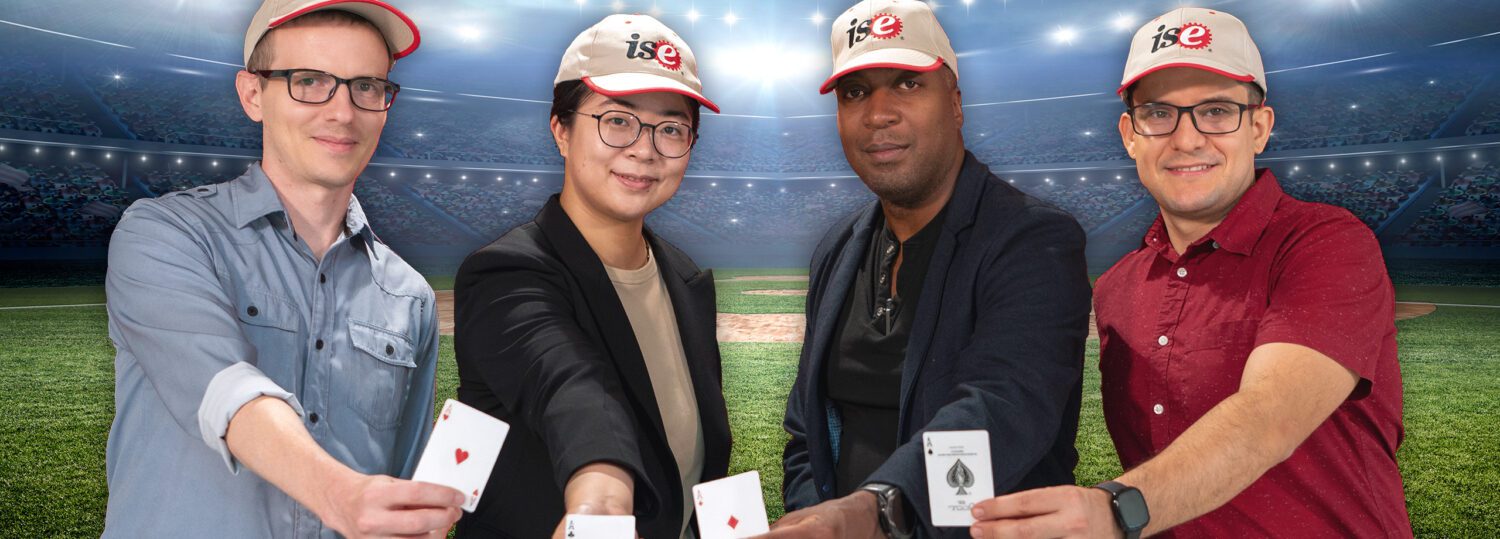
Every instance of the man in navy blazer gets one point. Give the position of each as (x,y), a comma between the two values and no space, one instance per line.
(954,303)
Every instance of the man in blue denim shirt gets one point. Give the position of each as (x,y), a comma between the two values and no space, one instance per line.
(260,323)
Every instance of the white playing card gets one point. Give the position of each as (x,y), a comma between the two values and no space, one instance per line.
(599,527)
(731,507)
(958,474)
(462,450)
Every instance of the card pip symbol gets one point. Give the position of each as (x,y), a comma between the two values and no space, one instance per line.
(960,477)
(447,410)
(929,446)
(733,522)
(460,455)
(570,528)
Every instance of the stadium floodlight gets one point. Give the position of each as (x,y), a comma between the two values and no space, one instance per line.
(1064,35)
(419,134)
(730,18)
(1048,180)
(469,33)
(1118,177)
(734,219)
(2,148)
(179,160)
(830,185)
(534,180)
(692,15)
(749,184)
(38,149)
(1123,21)
(1439,158)
(713,184)
(1367,164)
(1296,168)
(464,177)
(1083,178)
(143,159)
(1332,166)
(72,153)
(215,163)
(1353,105)
(783,189)
(968,3)
(1403,160)
(817,18)
(393,173)
(1474,155)
(1088,133)
(117,76)
(429,175)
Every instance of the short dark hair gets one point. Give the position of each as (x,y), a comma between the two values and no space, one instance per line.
(262,55)
(1257,97)
(569,94)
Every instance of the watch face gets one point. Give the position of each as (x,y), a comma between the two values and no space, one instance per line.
(1132,509)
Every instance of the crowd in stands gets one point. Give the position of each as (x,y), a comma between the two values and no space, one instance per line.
(474,132)
(161,182)
(395,218)
(1373,196)
(747,211)
(181,109)
(37,98)
(1376,108)
(1061,131)
(76,204)
(1488,121)
(1091,201)
(488,206)
(1467,214)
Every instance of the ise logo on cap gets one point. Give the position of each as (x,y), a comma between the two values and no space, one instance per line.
(663,51)
(1190,35)
(881,26)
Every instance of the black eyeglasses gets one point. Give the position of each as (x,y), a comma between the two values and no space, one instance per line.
(1209,117)
(620,129)
(317,87)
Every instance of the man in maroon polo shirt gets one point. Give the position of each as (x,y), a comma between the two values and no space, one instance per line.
(1247,349)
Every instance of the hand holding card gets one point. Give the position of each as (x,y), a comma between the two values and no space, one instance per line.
(462,450)
(731,507)
(958,474)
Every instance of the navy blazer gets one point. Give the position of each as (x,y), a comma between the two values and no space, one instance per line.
(997,344)
(543,343)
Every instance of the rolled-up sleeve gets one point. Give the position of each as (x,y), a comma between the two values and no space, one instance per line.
(170,313)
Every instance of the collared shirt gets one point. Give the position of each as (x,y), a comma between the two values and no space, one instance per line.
(864,373)
(214,301)
(1176,330)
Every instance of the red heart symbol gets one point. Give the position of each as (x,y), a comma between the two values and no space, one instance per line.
(476,492)
(460,455)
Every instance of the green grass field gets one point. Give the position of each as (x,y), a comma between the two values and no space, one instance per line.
(56,402)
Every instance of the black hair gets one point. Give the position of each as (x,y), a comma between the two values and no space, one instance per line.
(569,94)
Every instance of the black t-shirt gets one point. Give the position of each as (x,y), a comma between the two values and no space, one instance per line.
(863,376)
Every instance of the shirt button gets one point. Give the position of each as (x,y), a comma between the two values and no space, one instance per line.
(882,278)
(1213,244)
(252,311)
(313,417)
(1182,272)
(890,249)
(1162,340)
(322,278)
(318,345)
(389,349)
(1158,409)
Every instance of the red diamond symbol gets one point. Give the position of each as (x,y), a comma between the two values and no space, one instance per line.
(733,522)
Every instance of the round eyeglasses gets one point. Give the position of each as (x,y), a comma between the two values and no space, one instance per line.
(1209,117)
(620,129)
(317,87)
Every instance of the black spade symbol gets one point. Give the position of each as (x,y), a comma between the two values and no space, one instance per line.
(960,477)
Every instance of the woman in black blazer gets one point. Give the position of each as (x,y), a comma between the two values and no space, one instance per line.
(591,336)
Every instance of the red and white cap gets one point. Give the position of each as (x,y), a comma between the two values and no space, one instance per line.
(1194,37)
(902,34)
(401,35)
(632,54)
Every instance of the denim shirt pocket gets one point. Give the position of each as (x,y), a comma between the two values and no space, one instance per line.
(389,360)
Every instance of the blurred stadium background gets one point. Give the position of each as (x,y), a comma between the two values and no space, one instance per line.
(1390,109)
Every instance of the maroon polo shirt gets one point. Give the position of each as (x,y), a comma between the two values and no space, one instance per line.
(1175,331)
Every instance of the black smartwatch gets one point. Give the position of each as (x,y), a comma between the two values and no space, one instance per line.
(891,508)
(1129,507)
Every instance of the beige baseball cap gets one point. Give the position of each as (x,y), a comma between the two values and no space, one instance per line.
(1194,37)
(902,34)
(401,35)
(632,54)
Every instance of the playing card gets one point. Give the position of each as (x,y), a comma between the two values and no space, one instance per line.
(462,450)
(731,507)
(599,527)
(958,474)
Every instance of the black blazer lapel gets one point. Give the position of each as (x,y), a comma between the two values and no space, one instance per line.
(967,191)
(608,314)
(693,302)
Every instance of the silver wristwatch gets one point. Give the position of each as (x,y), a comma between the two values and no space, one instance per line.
(892,510)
